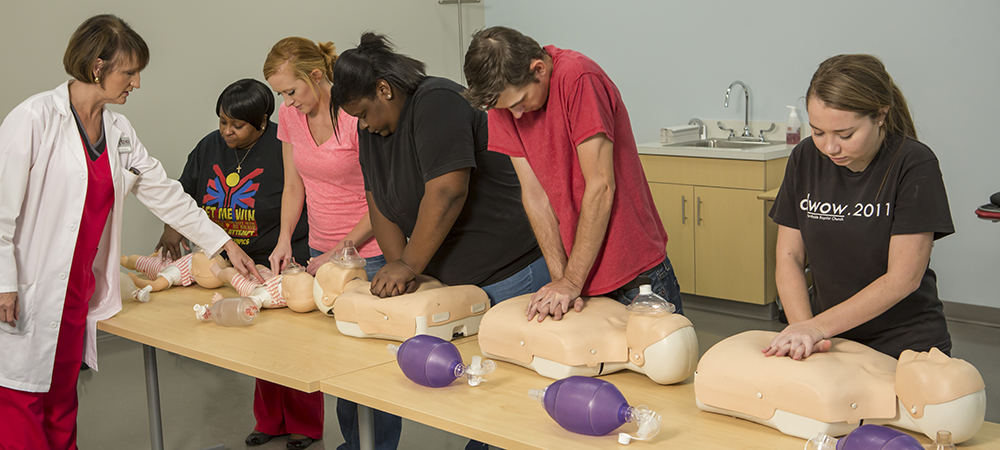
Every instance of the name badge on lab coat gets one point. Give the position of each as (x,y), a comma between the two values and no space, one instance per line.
(124,145)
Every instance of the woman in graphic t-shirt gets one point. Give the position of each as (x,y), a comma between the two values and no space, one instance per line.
(863,200)
(236,175)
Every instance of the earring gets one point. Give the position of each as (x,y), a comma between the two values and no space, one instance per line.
(880,124)
(388,96)
(97,79)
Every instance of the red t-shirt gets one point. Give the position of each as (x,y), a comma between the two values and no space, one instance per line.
(582,102)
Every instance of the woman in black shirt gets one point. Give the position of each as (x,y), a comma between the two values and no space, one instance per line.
(864,201)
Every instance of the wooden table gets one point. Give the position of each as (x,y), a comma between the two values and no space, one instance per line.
(281,346)
(499,411)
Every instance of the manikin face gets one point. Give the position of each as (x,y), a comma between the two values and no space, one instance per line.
(847,138)
(379,115)
(531,97)
(237,133)
(117,82)
(296,92)
(934,361)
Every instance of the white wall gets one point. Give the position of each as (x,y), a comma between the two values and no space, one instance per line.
(672,60)
(199,47)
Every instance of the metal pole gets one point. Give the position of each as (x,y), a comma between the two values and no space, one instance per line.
(461,46)
(366,429)
(153,398)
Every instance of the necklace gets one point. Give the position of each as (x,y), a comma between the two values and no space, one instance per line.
(234,177)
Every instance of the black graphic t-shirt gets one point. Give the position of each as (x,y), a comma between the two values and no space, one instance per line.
(847,218)
(245,203)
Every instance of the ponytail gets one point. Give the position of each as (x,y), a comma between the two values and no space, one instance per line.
(302,57)
(860,84)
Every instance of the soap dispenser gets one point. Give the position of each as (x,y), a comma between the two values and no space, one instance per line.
(793,133)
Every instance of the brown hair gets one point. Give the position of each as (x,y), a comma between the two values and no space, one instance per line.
(104,37)
(860,84)
(498,57)
(303,56)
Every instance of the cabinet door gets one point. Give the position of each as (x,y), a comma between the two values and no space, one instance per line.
(729,232)
(675,204)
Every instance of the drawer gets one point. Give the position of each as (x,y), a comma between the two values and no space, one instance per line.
(725,173)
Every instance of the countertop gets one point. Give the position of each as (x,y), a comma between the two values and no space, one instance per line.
(765,153)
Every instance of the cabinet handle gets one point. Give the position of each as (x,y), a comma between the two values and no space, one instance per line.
(684,217)
(699,211)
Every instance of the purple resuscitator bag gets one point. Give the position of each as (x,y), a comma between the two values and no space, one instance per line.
(593,407)
(434,362)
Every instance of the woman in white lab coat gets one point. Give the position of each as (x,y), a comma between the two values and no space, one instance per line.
(66,163)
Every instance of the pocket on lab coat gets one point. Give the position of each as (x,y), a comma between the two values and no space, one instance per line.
(24,318)
(129,179)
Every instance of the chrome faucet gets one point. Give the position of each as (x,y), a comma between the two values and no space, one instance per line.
(746,121)
(702,129)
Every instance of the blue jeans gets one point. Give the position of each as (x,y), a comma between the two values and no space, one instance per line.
(663,281)
(526,281)
(387,426)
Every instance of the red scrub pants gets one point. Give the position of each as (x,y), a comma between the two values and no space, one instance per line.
(282,410)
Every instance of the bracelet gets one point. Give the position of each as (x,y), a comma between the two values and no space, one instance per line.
(414,272)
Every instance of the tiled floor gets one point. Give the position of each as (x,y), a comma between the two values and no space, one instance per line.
(204,407)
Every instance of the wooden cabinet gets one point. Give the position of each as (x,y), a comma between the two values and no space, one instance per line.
(721,241)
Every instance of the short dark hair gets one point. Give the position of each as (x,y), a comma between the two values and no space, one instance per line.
(105,37)
(248,100)
(358,70)
(498,57)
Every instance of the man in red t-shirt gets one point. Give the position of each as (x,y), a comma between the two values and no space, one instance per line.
(564,125)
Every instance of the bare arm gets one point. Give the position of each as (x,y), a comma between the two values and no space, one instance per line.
(390,238)
(292,197)
(790,274)
(596,162)
(542,218)
(909,255)
(443,200)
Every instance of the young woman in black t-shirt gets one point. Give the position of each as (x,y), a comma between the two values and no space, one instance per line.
(863,200)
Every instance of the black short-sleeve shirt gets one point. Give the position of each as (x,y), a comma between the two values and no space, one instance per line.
(847,218)
(439,132)
(246,204)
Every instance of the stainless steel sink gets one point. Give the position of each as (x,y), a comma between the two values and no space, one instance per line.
(724,143)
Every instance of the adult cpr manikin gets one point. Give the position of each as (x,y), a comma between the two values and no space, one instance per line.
(831,392)
(602,338)
(435,309)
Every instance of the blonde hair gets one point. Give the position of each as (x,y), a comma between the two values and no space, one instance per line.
(860,84)
(303,56)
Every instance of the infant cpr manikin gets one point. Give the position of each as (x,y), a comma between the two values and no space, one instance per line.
(292,288)
(162,273)
(601,339)
(831,392)
(434,309)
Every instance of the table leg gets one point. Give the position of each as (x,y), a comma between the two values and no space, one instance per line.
(153,398)
(366,428)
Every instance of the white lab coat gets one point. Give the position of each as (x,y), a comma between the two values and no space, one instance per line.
(43,185)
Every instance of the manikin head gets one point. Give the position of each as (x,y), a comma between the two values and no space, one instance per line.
(941,393)
(297,289)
